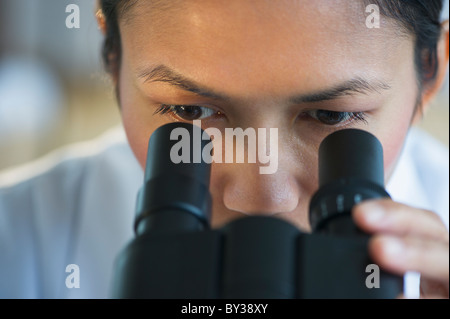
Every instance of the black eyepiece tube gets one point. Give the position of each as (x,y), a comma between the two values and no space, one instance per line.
(176,148)
(172,221)
(351,153)
(350,170)
(175,195)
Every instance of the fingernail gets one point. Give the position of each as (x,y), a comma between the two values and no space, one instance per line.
(393,247)
(373,212)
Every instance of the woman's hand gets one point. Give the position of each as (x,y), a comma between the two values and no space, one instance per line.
(408,239)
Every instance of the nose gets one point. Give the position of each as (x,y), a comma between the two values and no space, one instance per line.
(248,191)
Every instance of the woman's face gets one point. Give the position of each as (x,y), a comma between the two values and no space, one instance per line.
(307,68)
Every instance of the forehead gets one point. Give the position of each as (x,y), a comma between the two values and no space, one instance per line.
(219,40)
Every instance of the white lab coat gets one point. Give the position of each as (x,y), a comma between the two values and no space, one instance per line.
(76,207)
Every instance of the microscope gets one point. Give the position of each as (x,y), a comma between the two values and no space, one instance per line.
(175,254)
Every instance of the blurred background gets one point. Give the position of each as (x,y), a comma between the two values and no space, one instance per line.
(53,90)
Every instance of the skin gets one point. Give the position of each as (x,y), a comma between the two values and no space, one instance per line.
(255,56)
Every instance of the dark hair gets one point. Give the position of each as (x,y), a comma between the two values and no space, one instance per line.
(112,47)
(420,18)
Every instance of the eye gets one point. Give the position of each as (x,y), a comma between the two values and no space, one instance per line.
(336,118)
(187,112)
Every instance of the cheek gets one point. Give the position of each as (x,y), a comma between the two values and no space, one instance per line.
(398,115)
(136,119)
(392,146)
(138,140)
(392,135)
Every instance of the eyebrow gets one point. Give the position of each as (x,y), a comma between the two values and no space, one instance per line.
(351,87)
(357,85)
(162,73)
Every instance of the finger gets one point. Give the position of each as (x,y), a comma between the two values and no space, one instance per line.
(398,219)
(401,254)
(432,289)
(434,296)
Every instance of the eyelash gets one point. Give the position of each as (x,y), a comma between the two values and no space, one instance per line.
(177,109)
(349,117)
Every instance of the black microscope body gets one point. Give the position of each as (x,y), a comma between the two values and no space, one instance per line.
(176,255)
